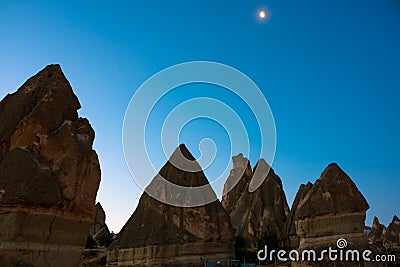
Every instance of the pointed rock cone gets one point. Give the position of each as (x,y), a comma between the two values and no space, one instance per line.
(332,209)
(160,234)
(333,192)
(393,231)
(181,182)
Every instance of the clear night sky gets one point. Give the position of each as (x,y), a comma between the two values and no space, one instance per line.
(330,71)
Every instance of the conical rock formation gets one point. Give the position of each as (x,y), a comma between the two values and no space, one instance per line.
(393,231)
(158,234)
(332,209)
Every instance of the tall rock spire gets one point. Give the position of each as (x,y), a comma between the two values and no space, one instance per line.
(49,173)
(259,214)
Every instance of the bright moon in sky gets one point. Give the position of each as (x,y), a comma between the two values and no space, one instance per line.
(262,14)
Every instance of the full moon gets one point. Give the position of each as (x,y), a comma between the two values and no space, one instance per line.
(262,14)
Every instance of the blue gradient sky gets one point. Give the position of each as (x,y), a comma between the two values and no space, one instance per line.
(330,71)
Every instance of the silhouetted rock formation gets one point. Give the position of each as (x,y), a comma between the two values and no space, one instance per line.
(255,215)
(293,240)
(392,241)
(386,239)
(393,230)
(99,227)
(377,234)
(158,234)
(49,174)
(333,208)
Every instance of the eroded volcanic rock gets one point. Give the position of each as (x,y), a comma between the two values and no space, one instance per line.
(385,239)
(99,226)
(158,234)
(333,208)
(334,191)
(377,234)
(49,173)
(393,231)
(392,241)
(255,215)
(293,240)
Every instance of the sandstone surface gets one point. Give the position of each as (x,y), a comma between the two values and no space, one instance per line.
(377,234)
(393,230)
(49,173)
(292,239)
(332,209)
(259,214)
(99,226)
(158,234)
